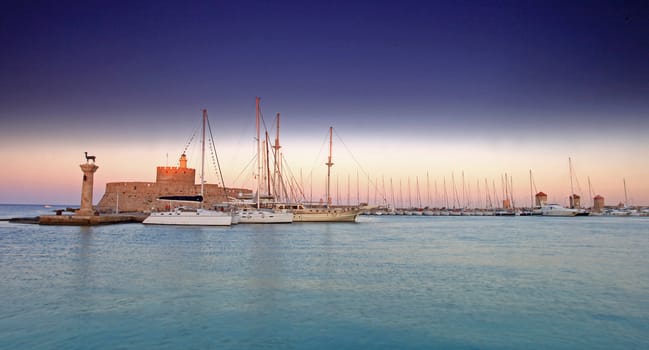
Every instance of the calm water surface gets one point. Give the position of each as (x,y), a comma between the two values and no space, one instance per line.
(382,283)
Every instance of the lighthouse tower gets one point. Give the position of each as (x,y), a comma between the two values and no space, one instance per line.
(86,188)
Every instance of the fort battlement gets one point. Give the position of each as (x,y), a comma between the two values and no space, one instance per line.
(166,174)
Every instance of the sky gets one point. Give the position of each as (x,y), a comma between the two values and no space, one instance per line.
(417,92)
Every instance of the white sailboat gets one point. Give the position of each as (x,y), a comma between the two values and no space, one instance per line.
(256,214)
(191,216)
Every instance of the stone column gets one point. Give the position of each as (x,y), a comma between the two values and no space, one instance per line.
(86,189)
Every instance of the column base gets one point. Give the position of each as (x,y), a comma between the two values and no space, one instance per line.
(85,212)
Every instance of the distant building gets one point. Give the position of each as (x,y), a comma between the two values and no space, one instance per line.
(541,199)
(575,201)
(598,204)
(170,181)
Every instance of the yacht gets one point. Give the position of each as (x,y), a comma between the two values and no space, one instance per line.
(557,210)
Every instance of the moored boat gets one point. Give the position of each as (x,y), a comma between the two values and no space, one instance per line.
(191,216)
(254,213)
(302,213)
(557,210)
(263,216)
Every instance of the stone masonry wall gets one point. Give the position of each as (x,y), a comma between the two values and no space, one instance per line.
(142,196)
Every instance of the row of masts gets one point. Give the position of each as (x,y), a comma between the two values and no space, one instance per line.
(391,197)
(273,184)
(447,193)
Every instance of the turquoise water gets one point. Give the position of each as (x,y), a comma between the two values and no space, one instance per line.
(382,283)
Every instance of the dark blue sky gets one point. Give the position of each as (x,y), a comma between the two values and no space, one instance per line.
(437,64)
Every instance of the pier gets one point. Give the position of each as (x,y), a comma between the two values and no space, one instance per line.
(79,220)
(90,220)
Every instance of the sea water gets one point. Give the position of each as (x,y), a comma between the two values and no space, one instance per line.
(381,283)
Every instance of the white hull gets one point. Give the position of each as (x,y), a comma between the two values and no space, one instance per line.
(557,210)
(263,216)
(558,213)
(619,213)
(199,217)
(325,215)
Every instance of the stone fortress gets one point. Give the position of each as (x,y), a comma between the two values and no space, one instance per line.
(121,197)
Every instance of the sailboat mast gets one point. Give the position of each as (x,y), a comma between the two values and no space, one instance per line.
(409,195)
(486,194)
(626,199)
(203,156)
(502,184)
(401,204)
(394,205)
(267,167)
(358,188)
(428,203)
(348,190)
(572,191)
(278,166)
(445,194)
(463,192)
(418,192)
(531,193)
(590,193)
(329,164)
(257,99)
(511,191)
(385,199)
(477,184)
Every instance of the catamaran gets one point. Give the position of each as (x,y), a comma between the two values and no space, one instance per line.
(183,215)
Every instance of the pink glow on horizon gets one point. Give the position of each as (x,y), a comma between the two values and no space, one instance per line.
(46,174)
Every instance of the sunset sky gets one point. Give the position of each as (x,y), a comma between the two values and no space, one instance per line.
(415,90)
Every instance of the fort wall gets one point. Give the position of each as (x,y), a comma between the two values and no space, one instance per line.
(124,197)
(143,196)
